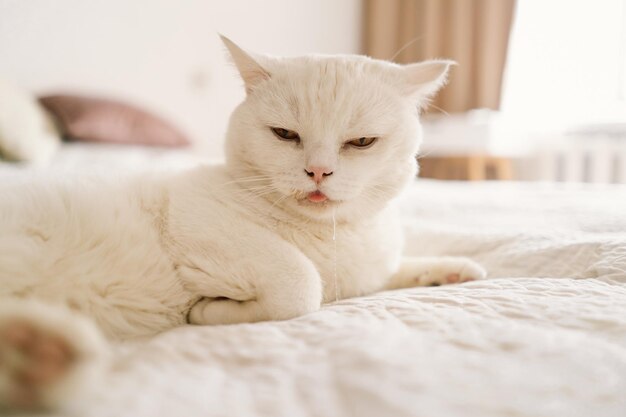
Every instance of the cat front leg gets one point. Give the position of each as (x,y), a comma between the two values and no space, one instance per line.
(269,279)
(433,271)
(279,295)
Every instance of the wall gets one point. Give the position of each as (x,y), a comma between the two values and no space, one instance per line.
(164,54)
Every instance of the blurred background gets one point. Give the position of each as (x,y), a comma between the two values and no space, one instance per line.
(539,93)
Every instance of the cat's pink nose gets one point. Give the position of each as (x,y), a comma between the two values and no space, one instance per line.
(317,174)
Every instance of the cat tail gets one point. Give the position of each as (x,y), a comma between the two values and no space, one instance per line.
(50,356)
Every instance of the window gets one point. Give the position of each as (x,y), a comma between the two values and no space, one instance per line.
(566,63)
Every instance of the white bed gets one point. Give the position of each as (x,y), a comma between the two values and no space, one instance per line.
(545,335)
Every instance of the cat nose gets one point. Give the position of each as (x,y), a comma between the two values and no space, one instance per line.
(317,174)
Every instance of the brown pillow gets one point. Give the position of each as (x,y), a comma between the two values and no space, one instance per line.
(106,121)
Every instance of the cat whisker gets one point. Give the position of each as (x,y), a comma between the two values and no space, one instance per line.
(420,156)
(279,200)
(247,180)
(442,111)
(255,192)
(258,194)
(406,45)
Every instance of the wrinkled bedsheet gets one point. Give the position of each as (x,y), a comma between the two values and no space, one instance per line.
(545,335)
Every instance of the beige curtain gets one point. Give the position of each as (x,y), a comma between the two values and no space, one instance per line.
(474,33)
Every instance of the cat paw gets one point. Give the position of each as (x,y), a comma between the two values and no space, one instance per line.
(32,360)
(451,271)
(49,357)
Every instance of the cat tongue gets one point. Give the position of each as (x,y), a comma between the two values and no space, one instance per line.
(317,197)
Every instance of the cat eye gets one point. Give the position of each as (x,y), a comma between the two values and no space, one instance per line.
(286,134)
(362,142)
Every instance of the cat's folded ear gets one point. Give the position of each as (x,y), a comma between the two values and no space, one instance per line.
(252,73)
(424,79)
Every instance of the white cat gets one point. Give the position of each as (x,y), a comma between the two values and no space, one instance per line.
(299,215)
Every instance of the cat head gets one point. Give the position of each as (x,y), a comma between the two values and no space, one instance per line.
(324,135)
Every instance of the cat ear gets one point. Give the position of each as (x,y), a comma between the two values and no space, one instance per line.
(251,72)
(424,79)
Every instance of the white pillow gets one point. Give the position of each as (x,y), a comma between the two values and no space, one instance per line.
(27,132)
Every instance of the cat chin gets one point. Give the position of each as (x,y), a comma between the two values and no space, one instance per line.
(315,210)
(318,206)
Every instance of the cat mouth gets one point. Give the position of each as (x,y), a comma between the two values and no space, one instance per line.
(317,197)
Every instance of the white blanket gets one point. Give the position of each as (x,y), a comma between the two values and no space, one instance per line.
(545,335)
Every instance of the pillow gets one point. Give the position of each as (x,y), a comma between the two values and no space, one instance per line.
(27,133)
(106,121)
